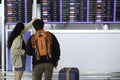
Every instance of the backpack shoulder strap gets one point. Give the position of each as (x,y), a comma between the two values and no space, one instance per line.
(50,36)
(32,40)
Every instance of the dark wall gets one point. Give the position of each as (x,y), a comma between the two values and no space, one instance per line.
(0,49)
(0,53)
(0,42)
(38,1)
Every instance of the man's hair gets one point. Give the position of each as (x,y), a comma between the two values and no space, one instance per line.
(38,24)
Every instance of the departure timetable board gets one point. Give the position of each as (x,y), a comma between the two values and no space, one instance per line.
(50,10)
(18,11)
(77,11)
(117,11)
(90,11)
(64,11)
(80,11)
(104,11)
(29,11)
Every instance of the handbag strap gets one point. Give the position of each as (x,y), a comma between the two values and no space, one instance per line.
(21,39)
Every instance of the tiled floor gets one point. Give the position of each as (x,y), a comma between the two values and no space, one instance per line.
(57,78)
(28,76)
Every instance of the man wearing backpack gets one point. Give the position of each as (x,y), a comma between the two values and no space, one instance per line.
(44,48)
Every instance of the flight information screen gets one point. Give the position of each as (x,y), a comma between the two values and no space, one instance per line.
(104,11)
(80,11)
(63,11)
(77,11)
(90,11)
(50,10)
(117,11)
(18,11)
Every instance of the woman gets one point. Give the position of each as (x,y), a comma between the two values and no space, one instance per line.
(16,44)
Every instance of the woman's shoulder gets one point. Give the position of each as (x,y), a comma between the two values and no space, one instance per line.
(17,41)
(18,38)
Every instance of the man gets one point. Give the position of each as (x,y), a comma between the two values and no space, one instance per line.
(43,63)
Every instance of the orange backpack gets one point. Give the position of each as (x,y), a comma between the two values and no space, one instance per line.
(41,42)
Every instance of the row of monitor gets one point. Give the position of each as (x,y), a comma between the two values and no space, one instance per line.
(64,11)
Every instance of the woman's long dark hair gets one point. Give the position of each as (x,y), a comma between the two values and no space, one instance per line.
(16,31)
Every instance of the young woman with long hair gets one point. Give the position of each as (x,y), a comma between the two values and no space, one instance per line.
(17,46)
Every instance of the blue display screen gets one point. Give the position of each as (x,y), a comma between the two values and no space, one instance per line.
(18,11)
(80,11)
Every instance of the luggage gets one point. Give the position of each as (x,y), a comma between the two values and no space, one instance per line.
(69,73)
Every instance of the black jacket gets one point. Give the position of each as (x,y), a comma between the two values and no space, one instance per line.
(55,50)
